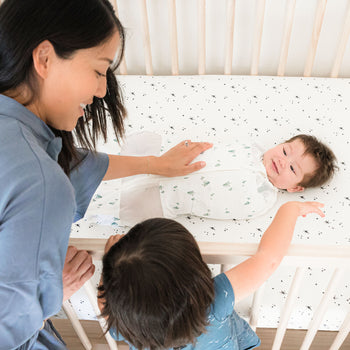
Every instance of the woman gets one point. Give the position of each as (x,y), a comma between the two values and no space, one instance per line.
(56,76)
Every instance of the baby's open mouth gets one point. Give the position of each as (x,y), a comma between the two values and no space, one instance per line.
(275,167)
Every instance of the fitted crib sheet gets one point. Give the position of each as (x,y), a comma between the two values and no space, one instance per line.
(267,110)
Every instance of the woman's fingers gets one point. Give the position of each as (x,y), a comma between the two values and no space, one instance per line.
(188,169)
(87,275)
(71,251)
(177,161)
(196,148)
(78,268)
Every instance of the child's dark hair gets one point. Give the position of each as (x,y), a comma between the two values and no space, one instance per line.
(324,157)
(157,290)
(69,26)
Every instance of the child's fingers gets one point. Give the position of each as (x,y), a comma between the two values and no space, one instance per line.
(317,204)
(319,212)
(111,241)
(313,207)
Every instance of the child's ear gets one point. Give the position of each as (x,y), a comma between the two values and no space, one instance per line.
(296,189)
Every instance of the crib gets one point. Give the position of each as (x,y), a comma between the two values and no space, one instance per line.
(208,78)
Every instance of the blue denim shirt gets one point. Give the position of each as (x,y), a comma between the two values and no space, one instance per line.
(38,204)
(226,329)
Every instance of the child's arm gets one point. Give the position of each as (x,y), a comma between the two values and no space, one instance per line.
(246,277)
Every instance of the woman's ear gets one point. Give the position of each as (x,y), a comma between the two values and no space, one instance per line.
(42,56)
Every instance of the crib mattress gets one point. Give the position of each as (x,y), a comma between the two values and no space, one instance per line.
(267,110)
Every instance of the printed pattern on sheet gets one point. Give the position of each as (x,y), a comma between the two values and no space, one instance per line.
(268,110)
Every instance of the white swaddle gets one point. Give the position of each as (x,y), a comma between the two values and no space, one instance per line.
(233,185)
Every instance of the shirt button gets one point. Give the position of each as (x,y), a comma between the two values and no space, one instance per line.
(42,327)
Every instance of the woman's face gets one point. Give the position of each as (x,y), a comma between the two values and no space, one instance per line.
(69,84)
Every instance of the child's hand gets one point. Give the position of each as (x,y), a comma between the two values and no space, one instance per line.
(111,241)
(309,207)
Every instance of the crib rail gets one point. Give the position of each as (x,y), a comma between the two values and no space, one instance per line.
(225,253)
(259,19)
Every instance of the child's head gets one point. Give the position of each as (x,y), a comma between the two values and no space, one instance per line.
(300,162)
(156,286)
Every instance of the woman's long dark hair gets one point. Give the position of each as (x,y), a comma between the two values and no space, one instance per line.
(69,25)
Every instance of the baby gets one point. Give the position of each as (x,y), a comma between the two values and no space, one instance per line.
(240,181)
(156,292)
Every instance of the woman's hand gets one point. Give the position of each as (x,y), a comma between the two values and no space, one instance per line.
(78,268)
(111,241)
(177,161)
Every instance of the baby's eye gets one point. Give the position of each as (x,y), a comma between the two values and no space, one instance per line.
(284,151)
(291,168)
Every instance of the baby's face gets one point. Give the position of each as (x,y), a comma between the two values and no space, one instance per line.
(286,165)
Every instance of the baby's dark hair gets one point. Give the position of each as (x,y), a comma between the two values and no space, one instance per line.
(324,157)
(156,289)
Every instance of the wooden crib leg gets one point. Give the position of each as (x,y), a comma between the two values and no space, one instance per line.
(92,295)
(321,310)
(342,334)
(254,314)
(79,330)
(292,296)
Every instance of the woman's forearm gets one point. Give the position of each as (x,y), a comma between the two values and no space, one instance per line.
(123,166)
(178,161)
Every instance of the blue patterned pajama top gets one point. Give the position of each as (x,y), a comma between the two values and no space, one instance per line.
(226,329)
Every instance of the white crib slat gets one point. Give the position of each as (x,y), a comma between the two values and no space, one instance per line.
(146,39)
(79,330)
(257,37)
(201,37)
(316,320)
(321,8)
(342,334)
(92,295)
(173,38)
(342,45)
(285,316)
(229,35)
(254,313)
(286,38)
(122,67)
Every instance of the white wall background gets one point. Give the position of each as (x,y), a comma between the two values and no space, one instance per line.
(245,18)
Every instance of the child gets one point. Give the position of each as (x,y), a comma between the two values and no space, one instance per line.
(157,293)
(240,181)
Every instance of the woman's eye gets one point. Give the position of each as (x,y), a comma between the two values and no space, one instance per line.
(284,152)
(100,74)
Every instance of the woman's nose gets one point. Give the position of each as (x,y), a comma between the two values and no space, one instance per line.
(102,88)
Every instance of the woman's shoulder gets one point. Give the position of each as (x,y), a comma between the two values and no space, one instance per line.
(27,168)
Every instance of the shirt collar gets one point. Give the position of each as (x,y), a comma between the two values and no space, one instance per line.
(13,109)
